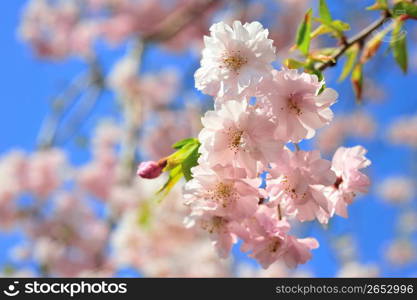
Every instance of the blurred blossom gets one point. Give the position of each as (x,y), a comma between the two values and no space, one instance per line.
(356,269)
(358,124)
(403,131)
(171,127)
(397,190)
(70,241)
(407,222)
(277,270)
(401,252)
(45,172)
(156,247)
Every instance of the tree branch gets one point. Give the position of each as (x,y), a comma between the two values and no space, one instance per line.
(358,38)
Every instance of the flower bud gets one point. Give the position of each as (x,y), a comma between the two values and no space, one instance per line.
(150,169)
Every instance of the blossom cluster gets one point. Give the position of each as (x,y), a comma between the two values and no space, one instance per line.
(248,183)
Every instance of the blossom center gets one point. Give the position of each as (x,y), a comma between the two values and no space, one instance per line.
(293,104)
(215,225)
(224,194)
(235,138)
(291,190)
(234,61)
(275,245)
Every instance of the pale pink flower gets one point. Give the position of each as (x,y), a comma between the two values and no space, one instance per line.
(221,191)
(266,237)
(235,59)
(237,133)
(297,104)
(219,228)
(350,181)
(295,181)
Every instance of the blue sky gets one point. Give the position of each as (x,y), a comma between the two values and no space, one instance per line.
(27,85)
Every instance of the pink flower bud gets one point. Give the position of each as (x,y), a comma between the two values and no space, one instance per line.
(150,169)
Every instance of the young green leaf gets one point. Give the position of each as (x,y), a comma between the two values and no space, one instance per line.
(293,64)
(179,164)
(335,27)
(373,45)
(357,80)
(188,163)
(324,11)
(351,55)
(303,33)
(379,5)
(180,144)
(405,8)
(399,45)
(174,176)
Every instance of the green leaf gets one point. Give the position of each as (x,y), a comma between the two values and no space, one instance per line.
(336,27)
(188,163)
(293,64)
(351,55)
(324,12)
(185,149)
(303,33)
(179,164)
(174,176)
(405,8)
(373,45)
(378,5)
(399,45)
(357,80)
(182,143)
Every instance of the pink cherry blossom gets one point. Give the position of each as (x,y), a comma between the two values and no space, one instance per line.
(223,191)
(346,164)
(267,238)
(235,59)
(237,133)
(294,184)
(297,104)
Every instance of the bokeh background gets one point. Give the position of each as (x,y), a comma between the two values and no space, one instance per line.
(82,103)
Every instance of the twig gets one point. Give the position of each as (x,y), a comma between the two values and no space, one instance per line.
(358,38)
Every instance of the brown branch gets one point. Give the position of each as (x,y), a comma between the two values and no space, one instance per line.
(358,38)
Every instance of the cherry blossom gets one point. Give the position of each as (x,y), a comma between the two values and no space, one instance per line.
(297,105)
(294,183)
(235,59)
(237,133)
(267,238)
(350,181)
